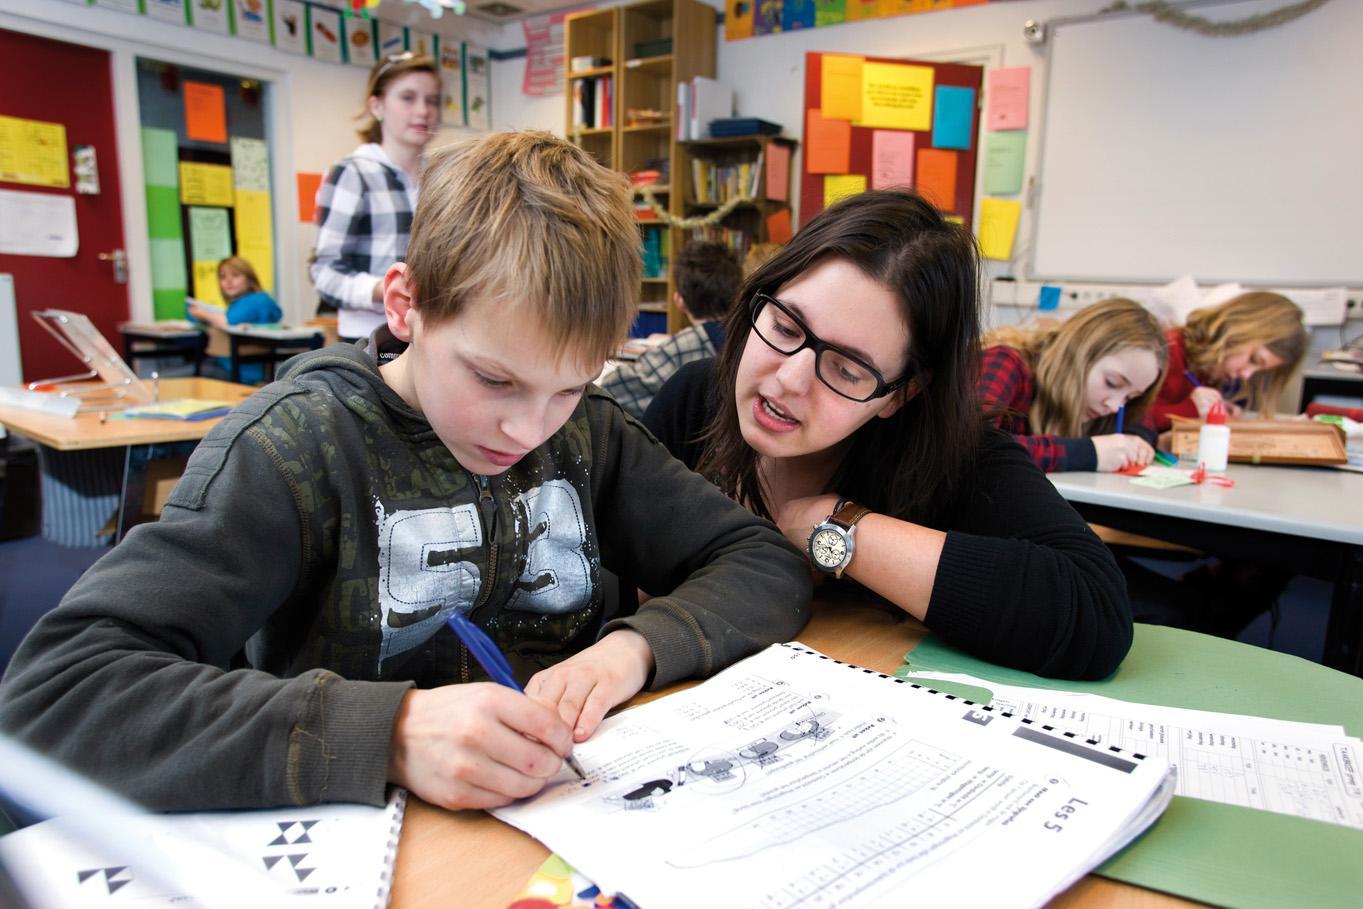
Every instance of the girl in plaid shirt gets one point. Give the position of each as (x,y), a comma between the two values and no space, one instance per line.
(1058,388)
(365,205)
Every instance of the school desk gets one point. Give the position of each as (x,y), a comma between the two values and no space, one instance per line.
(92,467)
(268,345)
(469,858)
(1305,520)
(159,340)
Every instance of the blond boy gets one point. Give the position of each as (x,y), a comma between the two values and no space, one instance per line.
(278,636)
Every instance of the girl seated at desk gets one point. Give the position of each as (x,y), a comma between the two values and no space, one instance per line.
(843,408)
(247,304)
(1071,392)
(1241,352)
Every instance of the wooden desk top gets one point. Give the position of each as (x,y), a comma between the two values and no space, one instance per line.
(85,431)
(469,858)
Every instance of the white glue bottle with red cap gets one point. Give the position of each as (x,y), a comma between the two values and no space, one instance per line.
(1213,440)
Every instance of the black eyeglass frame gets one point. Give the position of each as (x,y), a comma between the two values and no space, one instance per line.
(818,345)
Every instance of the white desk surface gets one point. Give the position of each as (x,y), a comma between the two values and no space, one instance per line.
(1315,502)
(272,334)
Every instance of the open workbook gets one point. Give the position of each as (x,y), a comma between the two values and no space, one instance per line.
(794,779)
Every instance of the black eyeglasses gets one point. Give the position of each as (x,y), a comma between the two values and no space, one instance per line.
(845,373)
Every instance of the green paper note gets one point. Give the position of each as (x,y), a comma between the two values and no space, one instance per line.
(209,237)
(160,158)
(1004,156)
(1162,481)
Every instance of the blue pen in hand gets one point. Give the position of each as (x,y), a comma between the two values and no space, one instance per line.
(1192,378)
(494,664)
(1121,418)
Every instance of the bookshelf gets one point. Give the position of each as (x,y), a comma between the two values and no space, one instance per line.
(641,51)
(717,170)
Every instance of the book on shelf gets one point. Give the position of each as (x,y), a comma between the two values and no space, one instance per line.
(791,776)
(593,102)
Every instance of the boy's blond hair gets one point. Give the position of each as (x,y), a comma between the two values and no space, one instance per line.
(533,224)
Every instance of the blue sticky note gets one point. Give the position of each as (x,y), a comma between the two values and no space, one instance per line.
(953,112)
(1050,297)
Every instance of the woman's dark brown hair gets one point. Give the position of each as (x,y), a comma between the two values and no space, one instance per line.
(912,464)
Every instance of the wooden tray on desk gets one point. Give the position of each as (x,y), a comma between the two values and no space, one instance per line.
(1268,441)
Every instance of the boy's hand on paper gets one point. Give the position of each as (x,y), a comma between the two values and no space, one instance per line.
(584,687)
(1117,451)
(477,745)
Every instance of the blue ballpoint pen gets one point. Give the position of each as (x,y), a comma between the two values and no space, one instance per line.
(494,664)
(1121,418)
(1192,378)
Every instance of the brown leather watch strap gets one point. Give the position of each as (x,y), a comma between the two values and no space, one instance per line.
(848,514)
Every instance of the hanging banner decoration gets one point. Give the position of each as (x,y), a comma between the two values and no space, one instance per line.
(754,18)
(210,16)
(392,38)
(122,6)
(324,34)
(167,11)
(452,78)
(359,42)
(423,44)
(543,55)
(33,152)
(251,20)
(291,26)
(477,89)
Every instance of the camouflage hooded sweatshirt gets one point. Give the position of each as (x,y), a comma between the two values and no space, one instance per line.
(251,648)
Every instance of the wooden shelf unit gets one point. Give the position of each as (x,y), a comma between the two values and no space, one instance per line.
(644,81)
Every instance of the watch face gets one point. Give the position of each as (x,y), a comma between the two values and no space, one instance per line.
(829,548)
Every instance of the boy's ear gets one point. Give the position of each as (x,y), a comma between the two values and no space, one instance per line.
(399,302)
(899,398)
(678,302)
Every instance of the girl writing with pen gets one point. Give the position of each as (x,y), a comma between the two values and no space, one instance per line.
(1241,353)
(1074,395)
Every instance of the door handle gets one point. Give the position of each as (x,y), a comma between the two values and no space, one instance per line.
(120,260)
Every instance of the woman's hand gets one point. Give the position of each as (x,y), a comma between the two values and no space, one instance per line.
(584,687)
(1118,450)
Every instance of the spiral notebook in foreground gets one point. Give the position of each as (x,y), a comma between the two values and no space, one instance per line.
(792,779)
(326,855)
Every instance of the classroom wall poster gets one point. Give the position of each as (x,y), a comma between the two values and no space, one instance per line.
(166,11)
(250,164)
(1008,96)
(251,20)
(754,18)
(423,44)
(210,16)
(392,38)
(291,26)
(255,237)
(205,184)
(205,112)
(477,89)
(33,152)
(122,6)
(359,42)
(543,55)
(452,79)
(324,34)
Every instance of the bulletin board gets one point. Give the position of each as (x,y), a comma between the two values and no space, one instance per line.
(960,105)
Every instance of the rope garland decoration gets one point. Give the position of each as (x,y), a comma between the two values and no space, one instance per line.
(1168,13)
(711,220)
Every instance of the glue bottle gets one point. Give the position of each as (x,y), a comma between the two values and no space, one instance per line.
(1213,440)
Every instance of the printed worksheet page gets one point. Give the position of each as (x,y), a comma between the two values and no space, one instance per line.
(791,779)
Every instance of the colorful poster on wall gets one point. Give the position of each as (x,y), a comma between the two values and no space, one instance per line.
(123,6)
(1004,155)
(738,19)
(324,34)
(392,38)
(251,20)
(33,152)
(205,184)
(753,18)
(423,44)
(477,88)
(359,42)
(896,96)
(205,112)
(452,79)
(291,26)
(210,16)
(953,116)
(167,11)
(827,144)
(250,164)
(998,227)
(543,55)
(205,282)
(210,241)
(891,159)
(841,93)
(308,184)
(937,177)
(255,236)
(1008,97)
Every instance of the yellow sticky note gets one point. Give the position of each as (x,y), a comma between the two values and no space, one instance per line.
(33,152)
(896,96)
(840,186)
(206,284)
(255,236)
(998,227)
(840,87)
(205,184)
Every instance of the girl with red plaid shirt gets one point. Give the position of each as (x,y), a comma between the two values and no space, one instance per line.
(1058,389)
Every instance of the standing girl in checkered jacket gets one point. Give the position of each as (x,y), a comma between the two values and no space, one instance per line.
(1075,395)
(365,205)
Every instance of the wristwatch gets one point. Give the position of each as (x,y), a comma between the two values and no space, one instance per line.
(833,542)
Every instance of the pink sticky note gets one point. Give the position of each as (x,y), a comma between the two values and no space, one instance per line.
(1007,94)
(778,172)
(891,159)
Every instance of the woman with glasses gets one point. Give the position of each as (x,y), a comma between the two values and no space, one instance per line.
(843,408)
(365,204)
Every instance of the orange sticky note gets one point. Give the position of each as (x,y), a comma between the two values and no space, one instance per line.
(840,92)
(205,112)
(937,177)
(828,144)
(778,226)
(308,185)
(778,172)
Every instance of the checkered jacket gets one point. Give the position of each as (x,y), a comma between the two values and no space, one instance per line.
(634,384)
(364,220)
(1006,388)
